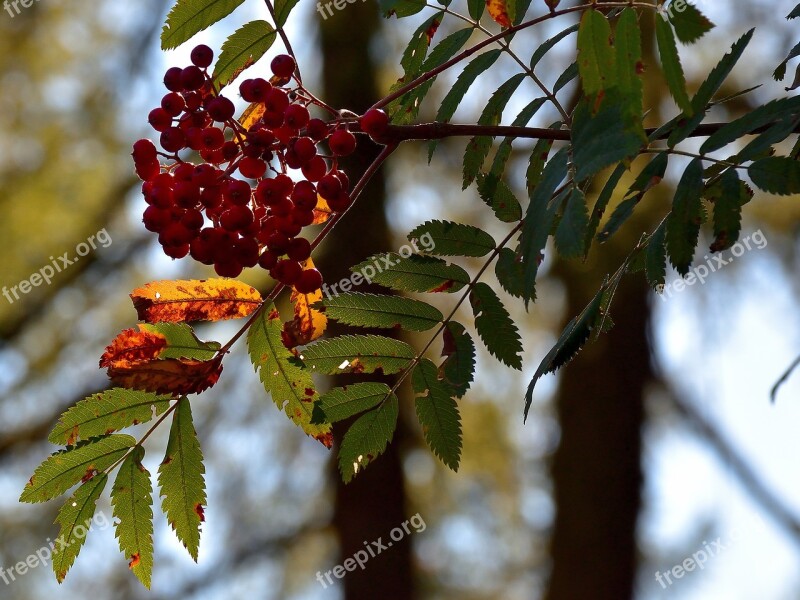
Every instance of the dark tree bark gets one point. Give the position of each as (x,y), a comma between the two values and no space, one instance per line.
(374,503)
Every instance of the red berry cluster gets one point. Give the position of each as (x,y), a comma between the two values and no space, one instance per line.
(204,210)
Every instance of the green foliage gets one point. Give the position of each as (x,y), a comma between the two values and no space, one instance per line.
(596,55)
(671,64)
(388,312)
(181,480)
(438,413)
(479,146)
(760,117)
(69,467)
(542,50)
(243,49)
(189,17)
(367,438)
(571,230)
(285,377)
(776,175)
(458,369)
(107,412)
(690,24)
(454,239)
(358,354)
(182,342)
(499,197)
(414,274)
(495,326)
(656,257)
(132,498)
(345,402)
(282,10)
(75,519)
(683,224)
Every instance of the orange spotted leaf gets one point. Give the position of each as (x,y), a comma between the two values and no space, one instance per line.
(308,324)
(252,115)
(322,213)
(185,301)
(498,10)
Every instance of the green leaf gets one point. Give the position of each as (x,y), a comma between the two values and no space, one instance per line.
(75,518)
(689,23)
(105,413)
(760,117)
(367,438)
(671,64)
(575,335)
(444,51)
(541,151)
(709,87)
(602,203)
(761,146)
(504,150)
(132,498)
(372,310)
(570,73)
(285,378)
(475,8)
(604,138)
(454,239)
(628,42)
(479,146)
(728,196)
(438,414)
(510,272)
(181,479)
(542,50)
(656,258)
(683,224)
(242,50)
(776,175)
(539,220)
(464,81)
(596,55)
(495,326)
(458,369)
(496,193)
(345,402)
(413,274)
(182,342)
(282,10)
(401,8)
(571,231)
(650,176)
(68,467)
(358,354)
(189,17)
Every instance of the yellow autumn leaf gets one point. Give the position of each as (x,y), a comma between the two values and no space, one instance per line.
(308,324)
(498,10)
(195,300)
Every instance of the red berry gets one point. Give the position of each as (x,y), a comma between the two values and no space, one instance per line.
(159,119)
(277,102)
(221,109)
(183,172)
(299,249)
(296,116)
(173,79)
(317,130)
(193,219)
(173,103)
(230,150)
(305,149)
(252,168)
(286,271)
(237,192)
(301,217)
(228,267)
(173,139)
(176,252)
(202,56)
(268,260)
(192,78)
(309,281)
(212,138)
(374,122)
(315,169)
(342,142)
(186,194)
(304,195)
(283,66)
(255,90)
(205,175)
(245,251)
(202,250)
(236,218)
(341,202)
(329,186)
(147,170)
(155,219)
(144,151)
(278,243)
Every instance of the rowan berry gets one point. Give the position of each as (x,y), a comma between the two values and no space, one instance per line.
(202,56)
(283,66)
